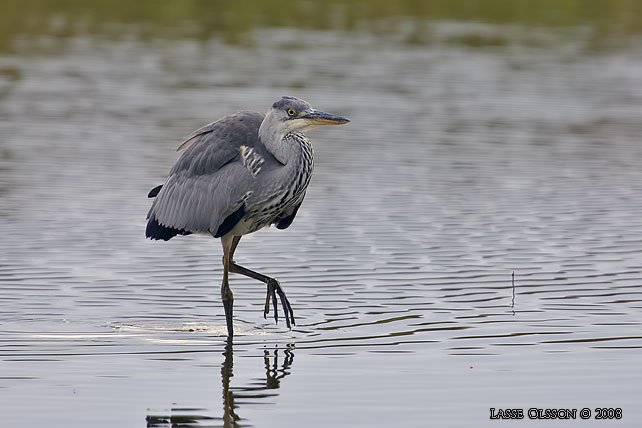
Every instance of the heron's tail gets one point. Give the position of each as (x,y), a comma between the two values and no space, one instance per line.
(155,230)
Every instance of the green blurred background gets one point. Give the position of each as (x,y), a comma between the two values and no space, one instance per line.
(610,22)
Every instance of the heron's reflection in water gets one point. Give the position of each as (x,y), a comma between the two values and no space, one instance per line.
(277,365)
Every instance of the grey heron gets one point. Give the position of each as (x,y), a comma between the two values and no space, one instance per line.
(237,175)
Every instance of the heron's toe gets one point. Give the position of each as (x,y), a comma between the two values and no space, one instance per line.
(274,289)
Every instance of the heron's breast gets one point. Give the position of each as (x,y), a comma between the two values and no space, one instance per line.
(264,208)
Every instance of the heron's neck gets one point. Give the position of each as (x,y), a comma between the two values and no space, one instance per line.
(273,141)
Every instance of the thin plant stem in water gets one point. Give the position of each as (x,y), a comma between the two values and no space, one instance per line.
(512,304)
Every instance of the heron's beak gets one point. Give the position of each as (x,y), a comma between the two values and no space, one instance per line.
(317,117)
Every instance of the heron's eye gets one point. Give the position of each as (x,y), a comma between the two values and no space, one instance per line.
(291,112)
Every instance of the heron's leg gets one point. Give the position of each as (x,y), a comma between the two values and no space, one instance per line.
(235,243)
(226,293)
(273,287)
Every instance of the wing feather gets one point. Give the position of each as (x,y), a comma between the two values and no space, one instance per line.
(205,185)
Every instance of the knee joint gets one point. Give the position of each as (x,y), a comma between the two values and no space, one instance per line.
(227,295)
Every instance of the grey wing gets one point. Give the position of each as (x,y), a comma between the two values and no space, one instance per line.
(208,182)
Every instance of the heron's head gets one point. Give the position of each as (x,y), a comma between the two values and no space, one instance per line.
(291,114)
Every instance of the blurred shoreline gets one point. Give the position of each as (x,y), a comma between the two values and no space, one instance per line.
(609,24)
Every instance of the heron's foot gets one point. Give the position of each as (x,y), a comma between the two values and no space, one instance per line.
(274,288)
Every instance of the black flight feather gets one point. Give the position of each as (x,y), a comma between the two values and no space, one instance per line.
(155,230)
(284,223)
(154,192)
(231,221)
